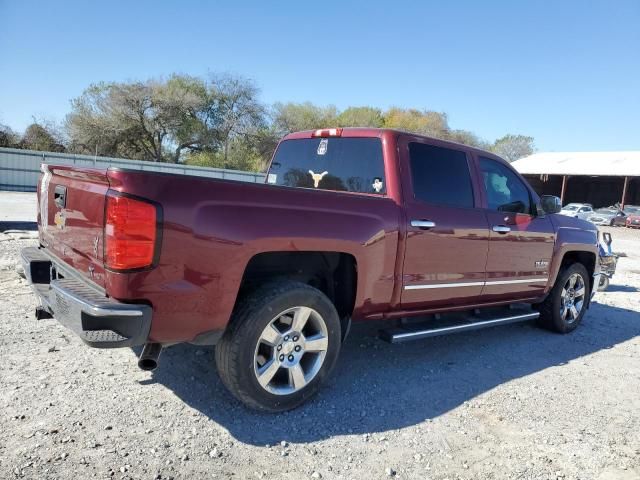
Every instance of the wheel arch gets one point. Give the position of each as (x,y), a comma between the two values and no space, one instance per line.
(587,258)
(332,272)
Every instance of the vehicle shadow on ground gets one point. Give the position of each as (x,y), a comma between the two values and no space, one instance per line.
(377,387)
(621,288)
(18,226)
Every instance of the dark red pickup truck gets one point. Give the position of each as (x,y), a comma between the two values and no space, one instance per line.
(360,224)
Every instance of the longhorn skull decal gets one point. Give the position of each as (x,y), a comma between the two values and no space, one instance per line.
(317,177)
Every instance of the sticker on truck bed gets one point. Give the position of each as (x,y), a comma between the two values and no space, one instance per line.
(272,178)
(322,146)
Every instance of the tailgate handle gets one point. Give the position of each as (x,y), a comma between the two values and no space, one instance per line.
(60,196)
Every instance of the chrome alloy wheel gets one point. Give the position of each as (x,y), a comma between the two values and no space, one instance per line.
(572,298)
(291,350)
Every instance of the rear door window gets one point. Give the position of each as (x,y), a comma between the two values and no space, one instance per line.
(334,163)
(440,176)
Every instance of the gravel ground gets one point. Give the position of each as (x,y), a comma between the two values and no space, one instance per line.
(509,402)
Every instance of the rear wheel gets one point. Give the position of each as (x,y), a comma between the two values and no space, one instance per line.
(567,302)
(281,344)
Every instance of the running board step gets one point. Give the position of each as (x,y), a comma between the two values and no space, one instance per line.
(410,332)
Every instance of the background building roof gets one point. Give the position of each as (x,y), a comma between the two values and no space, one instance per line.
(581,163)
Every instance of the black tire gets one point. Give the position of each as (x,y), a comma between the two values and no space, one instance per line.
(550,310)
(236,350)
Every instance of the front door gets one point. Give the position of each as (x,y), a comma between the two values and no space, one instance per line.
(520,241)
(447,237)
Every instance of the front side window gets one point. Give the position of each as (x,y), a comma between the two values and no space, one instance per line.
(440,176)
(335,163)
(505,191)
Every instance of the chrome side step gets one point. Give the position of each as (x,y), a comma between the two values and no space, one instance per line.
(406,333)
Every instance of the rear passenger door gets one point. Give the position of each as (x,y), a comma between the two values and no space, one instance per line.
(521,241)
(447,232)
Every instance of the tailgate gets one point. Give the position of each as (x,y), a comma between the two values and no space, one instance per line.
(71,204)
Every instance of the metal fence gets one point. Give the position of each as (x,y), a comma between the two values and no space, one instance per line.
(20,169)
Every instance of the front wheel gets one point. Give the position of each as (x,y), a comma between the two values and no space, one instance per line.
(281,344)
(567,302)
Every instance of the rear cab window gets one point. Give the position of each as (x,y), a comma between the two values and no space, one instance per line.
(335,163)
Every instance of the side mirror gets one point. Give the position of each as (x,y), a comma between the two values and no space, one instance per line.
(550,204)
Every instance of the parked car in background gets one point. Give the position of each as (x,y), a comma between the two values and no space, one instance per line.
(612,216)
(632,209)
(633,216)
(577,210)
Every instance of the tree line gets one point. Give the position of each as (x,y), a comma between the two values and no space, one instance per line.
(217,121)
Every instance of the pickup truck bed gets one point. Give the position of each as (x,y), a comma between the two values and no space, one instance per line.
(358,224)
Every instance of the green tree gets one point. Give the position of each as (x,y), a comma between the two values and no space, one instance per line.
(512,147)
(43,137)
(163,120)
(240,113)
(141,120)
(240,155)
(8,138)
(425,122)
(360,117)
(294,117)
(467,138)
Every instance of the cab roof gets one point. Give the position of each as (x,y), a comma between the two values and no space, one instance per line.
(387,132)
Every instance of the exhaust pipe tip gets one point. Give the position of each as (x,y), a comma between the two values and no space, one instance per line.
(147,364)
(148,360)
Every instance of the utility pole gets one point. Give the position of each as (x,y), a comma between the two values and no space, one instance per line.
(624,192)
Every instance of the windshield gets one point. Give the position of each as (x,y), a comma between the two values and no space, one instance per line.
(606,210)
(343,164)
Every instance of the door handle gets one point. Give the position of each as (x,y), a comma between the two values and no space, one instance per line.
(501,229)
(60,196)
(423,224)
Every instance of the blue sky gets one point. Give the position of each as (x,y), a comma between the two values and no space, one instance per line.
(566,72)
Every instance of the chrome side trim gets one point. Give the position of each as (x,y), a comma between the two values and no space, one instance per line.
(475,284)
(444,285)
(526,280)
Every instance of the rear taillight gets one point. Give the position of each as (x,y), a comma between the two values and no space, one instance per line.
(130,233)
(327,132)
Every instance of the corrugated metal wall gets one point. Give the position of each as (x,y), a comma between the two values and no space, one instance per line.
(20,169)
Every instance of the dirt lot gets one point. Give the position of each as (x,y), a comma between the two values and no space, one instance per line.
(509,402)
